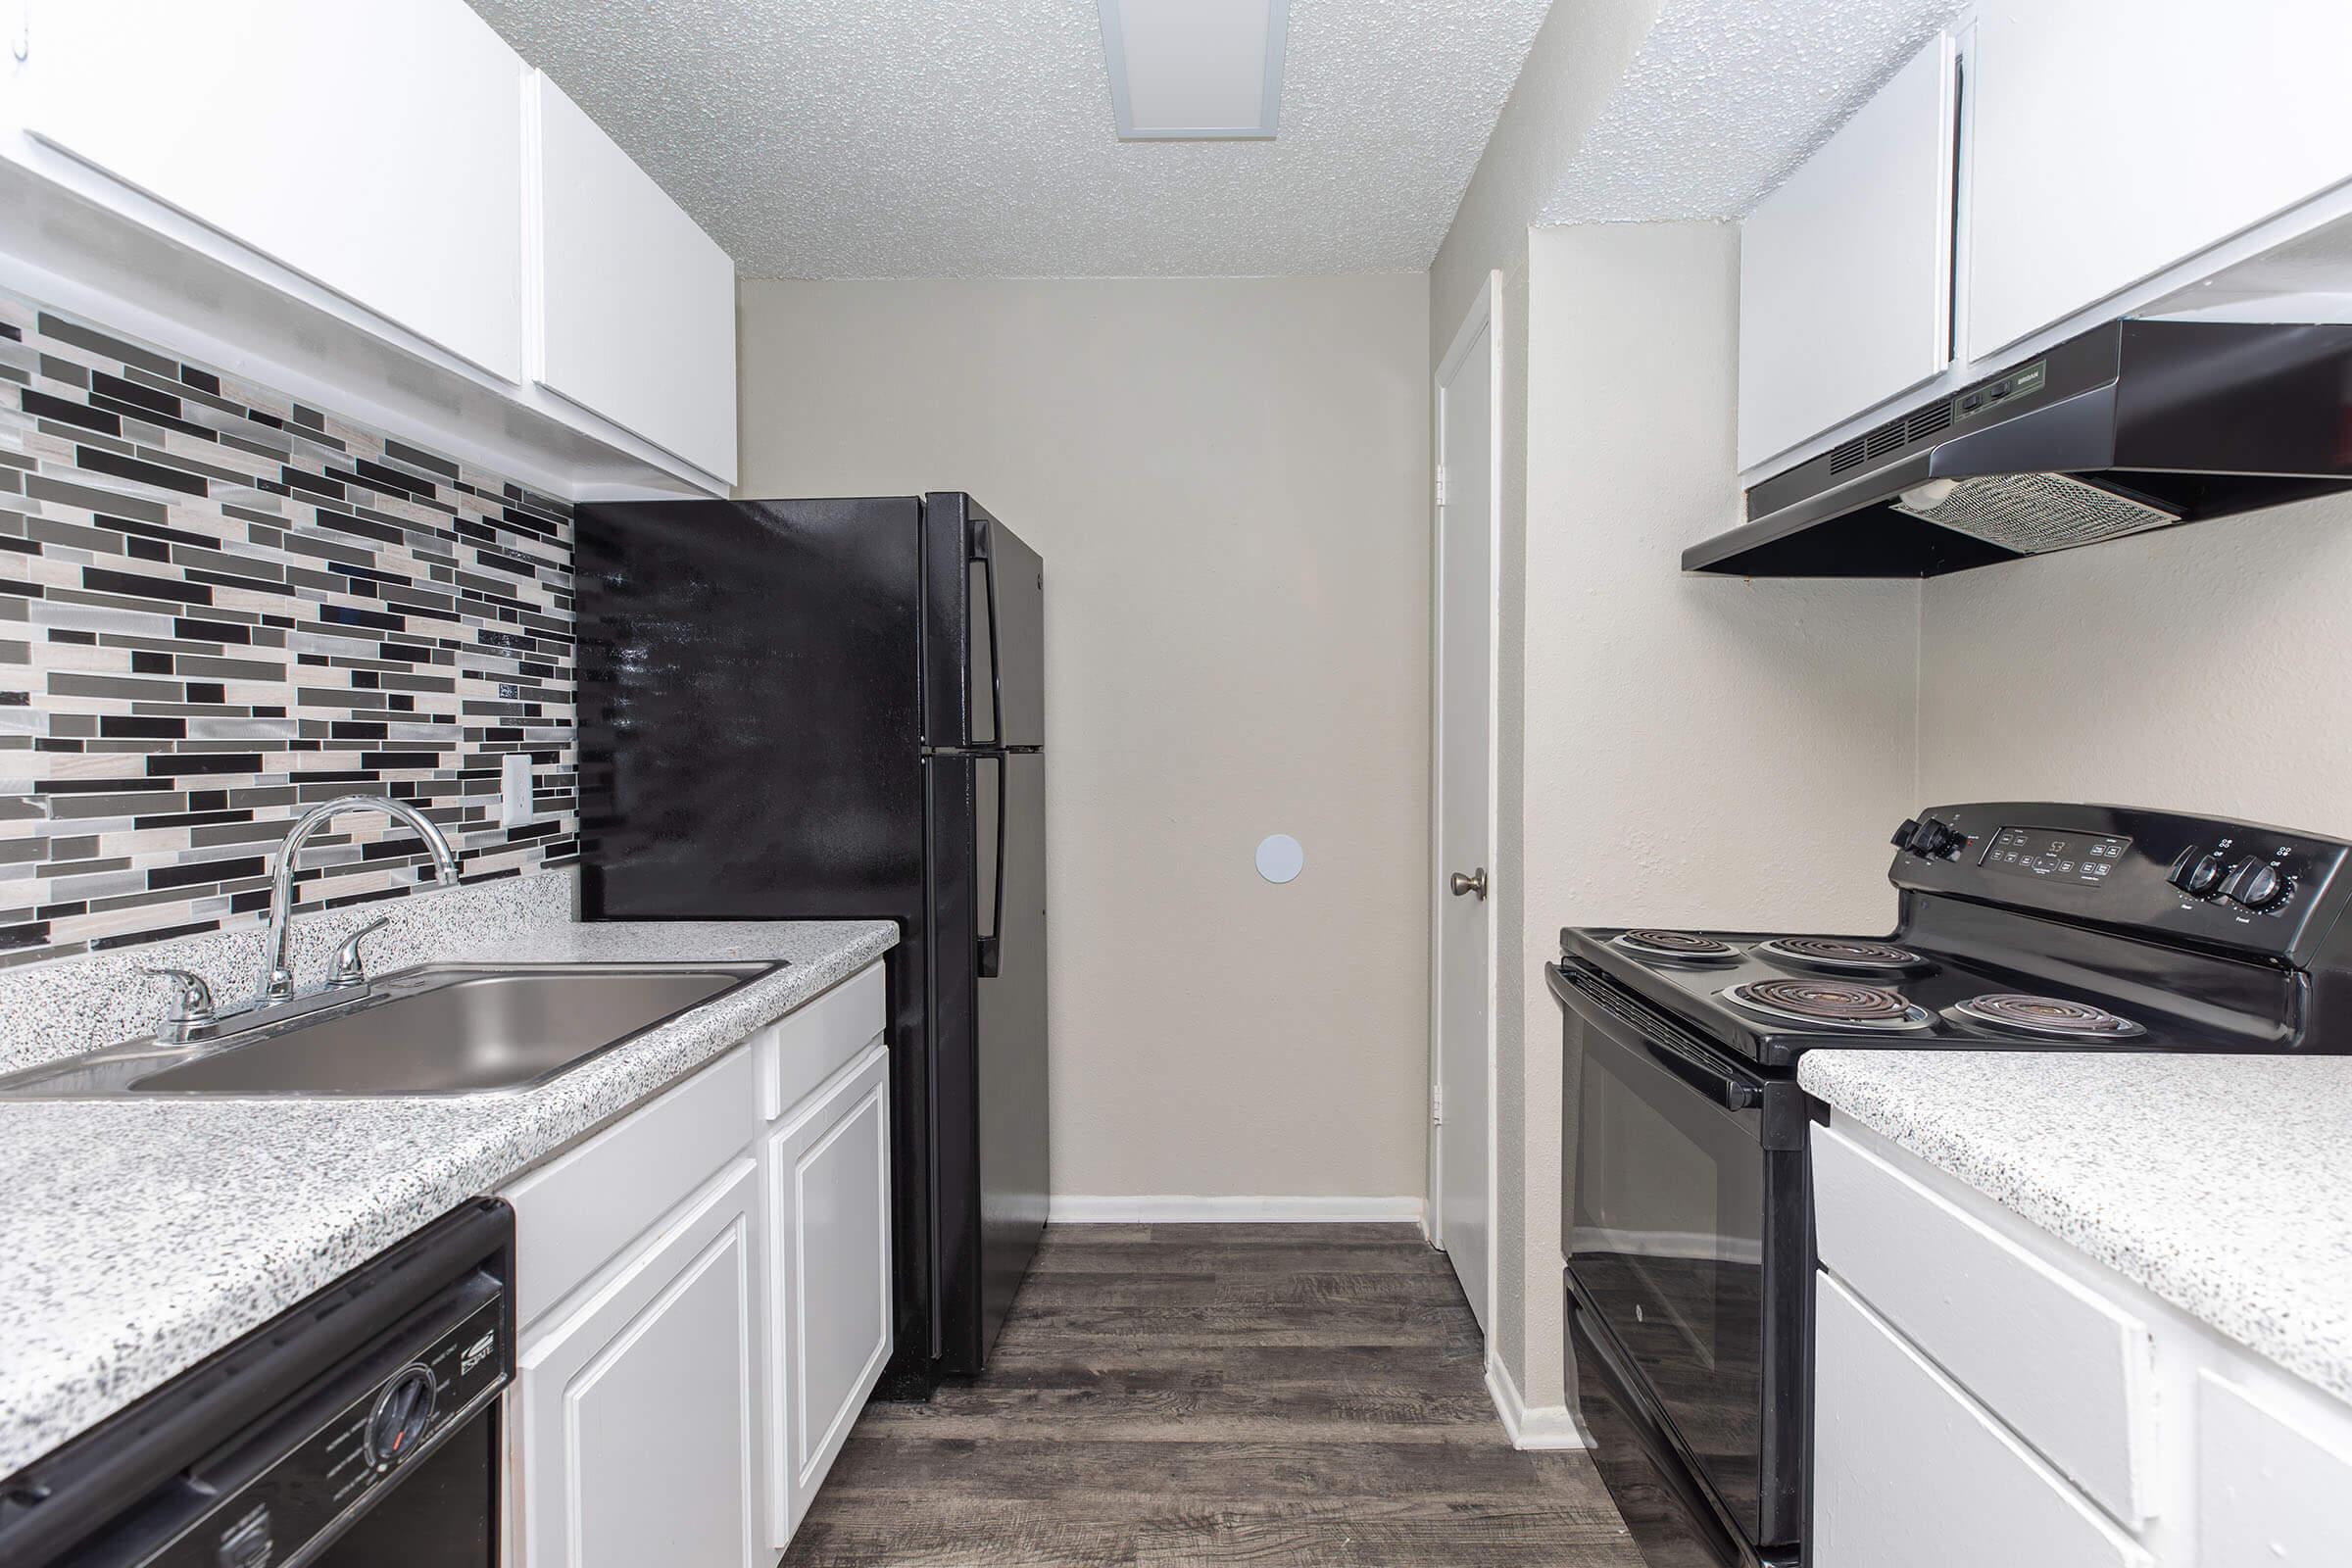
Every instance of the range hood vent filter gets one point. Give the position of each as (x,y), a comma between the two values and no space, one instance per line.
(2032,513)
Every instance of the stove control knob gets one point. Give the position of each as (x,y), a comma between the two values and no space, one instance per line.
(1933,838)
(2256,884)
(1902,835)
(2197,873)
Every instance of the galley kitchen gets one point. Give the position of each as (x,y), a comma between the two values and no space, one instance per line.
(1077,785)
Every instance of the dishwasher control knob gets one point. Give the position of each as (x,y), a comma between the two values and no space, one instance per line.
(2197,874)
(2256,884)
(403,1414)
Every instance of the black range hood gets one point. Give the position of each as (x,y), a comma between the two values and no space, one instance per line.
(2133,425)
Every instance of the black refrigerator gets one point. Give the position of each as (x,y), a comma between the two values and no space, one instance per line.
(830,710)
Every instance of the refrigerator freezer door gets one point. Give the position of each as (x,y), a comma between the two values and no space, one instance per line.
(984,665)
(988,1036)
(750,723)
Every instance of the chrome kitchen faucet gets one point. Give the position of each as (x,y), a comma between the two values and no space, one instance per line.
(193,1019)
(277,969)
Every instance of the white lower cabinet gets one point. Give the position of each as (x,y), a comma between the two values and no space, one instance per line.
(2270,1488)
(827,1170)
(1984,1394)
(702,1295)
(1908,1469)
(639,1432)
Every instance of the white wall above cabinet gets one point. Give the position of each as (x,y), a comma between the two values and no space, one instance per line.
(374,148)
(2113,138)
(636,305)
(1846,269)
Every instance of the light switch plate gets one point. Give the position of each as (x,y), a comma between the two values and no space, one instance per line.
(514,789)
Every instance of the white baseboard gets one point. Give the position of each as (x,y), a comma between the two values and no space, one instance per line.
(1179,1209)
(1548,1426)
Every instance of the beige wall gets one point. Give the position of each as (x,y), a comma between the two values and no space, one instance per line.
(1696,751)
(2204,668)
(1229,481)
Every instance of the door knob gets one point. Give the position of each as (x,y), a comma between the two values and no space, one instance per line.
(1475,882)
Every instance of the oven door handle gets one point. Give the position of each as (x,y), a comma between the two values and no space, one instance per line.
(1721,1086)
(1725,1090)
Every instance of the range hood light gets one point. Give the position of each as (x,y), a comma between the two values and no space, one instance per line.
(1925,497)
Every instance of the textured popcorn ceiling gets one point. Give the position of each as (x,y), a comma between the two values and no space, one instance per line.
(917,138)
(1725,97)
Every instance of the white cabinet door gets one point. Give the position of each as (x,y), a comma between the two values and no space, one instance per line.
(2112,138)
(638,1434)
(828,1204)
(2270,1492)
(1908,1469)
(1846,272)
(373,146)
(2069,1370)
(636,305)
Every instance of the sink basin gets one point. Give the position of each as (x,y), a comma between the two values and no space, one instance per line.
(439,1029)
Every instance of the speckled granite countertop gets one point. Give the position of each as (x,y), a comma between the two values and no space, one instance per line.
(2224,1184)
(138,1237)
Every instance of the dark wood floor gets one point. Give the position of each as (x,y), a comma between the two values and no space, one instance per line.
(1270,1395)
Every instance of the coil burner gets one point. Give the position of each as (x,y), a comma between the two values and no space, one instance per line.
(1680,945)
(2047,1016)
(1830,1004)
(1838,952)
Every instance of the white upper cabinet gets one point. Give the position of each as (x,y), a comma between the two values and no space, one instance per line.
(636,318)
(373,146)
(2113,138)
(1846,270)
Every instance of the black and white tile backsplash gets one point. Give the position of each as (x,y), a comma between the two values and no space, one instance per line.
(218,607)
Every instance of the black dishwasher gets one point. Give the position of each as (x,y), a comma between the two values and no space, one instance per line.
(356,1429)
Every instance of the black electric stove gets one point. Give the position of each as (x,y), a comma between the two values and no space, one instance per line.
(2022,926)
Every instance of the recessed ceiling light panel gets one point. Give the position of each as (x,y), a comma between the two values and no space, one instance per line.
(1195,69)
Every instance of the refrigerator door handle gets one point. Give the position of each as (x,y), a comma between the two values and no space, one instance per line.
(996,665)
(990,945)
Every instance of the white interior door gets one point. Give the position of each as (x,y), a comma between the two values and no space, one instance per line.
(1463,984)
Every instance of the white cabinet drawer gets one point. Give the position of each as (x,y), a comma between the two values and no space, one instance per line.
(2270,1492)
(576,1214)
(798,1052)
(2071,1372)
(1909,1470)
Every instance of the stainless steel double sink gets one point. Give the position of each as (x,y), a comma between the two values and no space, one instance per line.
(437,1029)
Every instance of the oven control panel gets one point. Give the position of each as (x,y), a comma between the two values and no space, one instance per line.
(2238,885)
(2087,860)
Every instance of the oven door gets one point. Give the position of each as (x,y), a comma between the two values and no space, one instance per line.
(1686,1234)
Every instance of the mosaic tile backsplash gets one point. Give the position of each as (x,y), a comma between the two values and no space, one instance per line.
(220,607)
